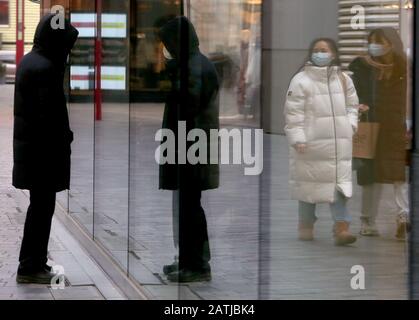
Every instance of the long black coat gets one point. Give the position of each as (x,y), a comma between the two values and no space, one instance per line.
(387,101)
(193,98)
(42,135)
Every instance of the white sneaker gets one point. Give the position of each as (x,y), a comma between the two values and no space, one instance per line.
(369,229)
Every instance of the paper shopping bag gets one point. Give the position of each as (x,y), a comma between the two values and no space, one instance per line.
(365,140)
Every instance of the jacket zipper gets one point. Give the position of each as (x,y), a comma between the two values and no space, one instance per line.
(334,122)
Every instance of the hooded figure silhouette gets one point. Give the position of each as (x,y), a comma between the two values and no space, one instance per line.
(42,134)
(41,141)
(193,100)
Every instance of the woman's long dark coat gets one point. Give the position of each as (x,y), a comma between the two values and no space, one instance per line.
(42,134)
(387,101)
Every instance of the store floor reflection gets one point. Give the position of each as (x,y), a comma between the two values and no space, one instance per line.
(232,218)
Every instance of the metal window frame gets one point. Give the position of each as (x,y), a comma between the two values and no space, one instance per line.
(414,179)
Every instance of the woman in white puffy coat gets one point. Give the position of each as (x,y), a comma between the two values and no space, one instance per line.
(321,113)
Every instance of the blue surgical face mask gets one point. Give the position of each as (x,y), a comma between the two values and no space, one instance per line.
(376,50)
(321,59)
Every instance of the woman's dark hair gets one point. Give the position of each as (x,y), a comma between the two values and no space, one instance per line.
(332,45)
(392,36)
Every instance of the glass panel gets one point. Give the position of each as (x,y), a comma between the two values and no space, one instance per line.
(4,12)
(315,179)
(232,209)
(236,53)
(160,221)
(320,102)
(82,118)
(151,228)
(112,133)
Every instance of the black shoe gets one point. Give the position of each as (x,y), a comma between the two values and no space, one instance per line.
(186,275)
(169,268)
(41,277)
(48,268)
(22,270)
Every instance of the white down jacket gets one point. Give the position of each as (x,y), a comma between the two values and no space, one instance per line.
(320,114)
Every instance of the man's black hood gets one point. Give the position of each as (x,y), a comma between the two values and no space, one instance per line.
(55,44)
(179,37)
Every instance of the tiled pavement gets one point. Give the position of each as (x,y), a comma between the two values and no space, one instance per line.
(86,280)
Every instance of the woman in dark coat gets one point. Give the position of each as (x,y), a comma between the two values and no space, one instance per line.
(41,140)
(194,101)
(381,82)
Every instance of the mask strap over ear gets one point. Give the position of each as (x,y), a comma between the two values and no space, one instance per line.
(167,54)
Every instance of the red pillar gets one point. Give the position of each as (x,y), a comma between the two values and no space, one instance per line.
(20,30)
(98,61)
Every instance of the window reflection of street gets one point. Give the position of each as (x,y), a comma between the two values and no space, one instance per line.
(251,220)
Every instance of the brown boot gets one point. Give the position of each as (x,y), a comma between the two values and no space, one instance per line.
(403,227)
(342,235)
(305,232)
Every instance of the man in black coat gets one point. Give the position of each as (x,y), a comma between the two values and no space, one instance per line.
(194,101)
(41,141)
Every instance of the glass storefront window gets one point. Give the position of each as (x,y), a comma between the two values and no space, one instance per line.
(236,53)
(313,185)
(4,12)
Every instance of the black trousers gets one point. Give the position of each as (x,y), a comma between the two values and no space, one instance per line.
(34,249)
(194,249)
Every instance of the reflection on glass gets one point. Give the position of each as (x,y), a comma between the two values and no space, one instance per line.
(236,53)
(100,116)
(151,243)
(232,222)
(112,133)
(370,260)
(82,121)
(253,222)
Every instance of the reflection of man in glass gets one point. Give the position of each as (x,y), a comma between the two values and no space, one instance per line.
(194,100)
